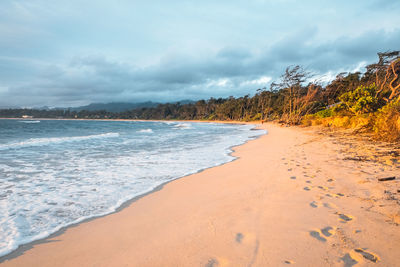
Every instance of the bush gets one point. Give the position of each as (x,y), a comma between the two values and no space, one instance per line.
(211,117)
(340,122)
(256,117)
(324,113)
(361,100)
(387,122)
(309,120)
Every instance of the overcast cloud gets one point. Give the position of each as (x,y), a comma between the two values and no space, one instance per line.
(78,52)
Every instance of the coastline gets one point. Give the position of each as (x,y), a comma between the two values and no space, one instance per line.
(265,208)
(29,245)
(138,120)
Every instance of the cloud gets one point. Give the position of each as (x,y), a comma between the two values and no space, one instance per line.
(230,71)
(74,53)
(262,81)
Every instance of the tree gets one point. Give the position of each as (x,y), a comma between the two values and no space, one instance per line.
(291,83)
(386,72)
(344,82)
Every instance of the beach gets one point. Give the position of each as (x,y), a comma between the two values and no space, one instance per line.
(293,196)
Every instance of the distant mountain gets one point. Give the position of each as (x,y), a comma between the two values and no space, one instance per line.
(115,106)
(110,107)
(185,101)
(120,106)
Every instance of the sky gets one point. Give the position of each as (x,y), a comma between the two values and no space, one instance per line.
(72,53)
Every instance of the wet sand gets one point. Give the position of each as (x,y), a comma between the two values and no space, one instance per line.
(292,197)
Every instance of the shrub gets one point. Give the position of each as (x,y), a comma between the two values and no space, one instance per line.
(309,120)
(211,117)
(361,100)
(325,113)
(387,122)
(340,108)
(256,117)
(341,122)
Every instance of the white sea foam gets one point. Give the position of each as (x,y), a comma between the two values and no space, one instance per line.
(56,186)
(145,131)
(183,126)
(29,121)
(54,140)
(169,122)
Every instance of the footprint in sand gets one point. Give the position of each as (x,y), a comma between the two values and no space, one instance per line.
(333,195)
(323,187)
(314,204)
(212,263)
(239,237)
(288,262)
(307,188)
(367,255)
(357,255)
(323,234)
(345,218)
(293,177)
(348,260)
(308,182)
(289,169)
(330,180)
(328,231)
(317,235)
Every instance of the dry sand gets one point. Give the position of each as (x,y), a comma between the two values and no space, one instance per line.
(292,197)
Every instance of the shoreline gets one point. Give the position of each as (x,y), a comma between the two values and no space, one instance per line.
(27,246)
(136,120)
(289,197)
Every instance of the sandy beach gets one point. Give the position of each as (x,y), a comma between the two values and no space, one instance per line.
(293,196)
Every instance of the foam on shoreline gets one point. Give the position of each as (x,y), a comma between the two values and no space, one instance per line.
(97,184)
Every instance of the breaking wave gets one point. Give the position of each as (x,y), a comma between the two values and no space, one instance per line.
(55,140)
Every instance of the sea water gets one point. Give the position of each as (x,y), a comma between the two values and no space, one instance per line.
(54,173)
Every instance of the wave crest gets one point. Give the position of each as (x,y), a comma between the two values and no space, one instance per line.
(145,131)
(183,126)
(55,140)
(29,121)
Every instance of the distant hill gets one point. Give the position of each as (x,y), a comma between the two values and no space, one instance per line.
(115,107)
(120,106)
(184,102)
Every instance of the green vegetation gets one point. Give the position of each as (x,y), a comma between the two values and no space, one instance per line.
(371,105)
(361,100)
(367,101)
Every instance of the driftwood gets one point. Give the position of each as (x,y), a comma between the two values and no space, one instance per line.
(386,179)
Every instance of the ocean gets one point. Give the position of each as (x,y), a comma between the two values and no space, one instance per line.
(54,173)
